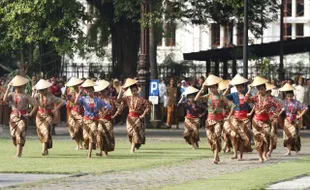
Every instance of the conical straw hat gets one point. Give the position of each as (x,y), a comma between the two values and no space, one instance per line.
(101,85)
(224,84)
(238,79)
(269,86)
(19,81)
(43,84)
(212,80)
(190,90)
(88,83)
(287,87)
(128,92)
(74,81)
(129,82)
(258,81)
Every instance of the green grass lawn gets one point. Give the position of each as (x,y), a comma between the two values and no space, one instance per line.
(250,179)
(64,159)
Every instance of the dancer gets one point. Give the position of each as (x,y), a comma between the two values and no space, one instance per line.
(273,116)
(261,126)
(48,107)
(223,87)
(291,127)
(192,118)
(240,124)
(92,105)
(105,136)
(217,104)
(74,112)
(138,108)
(19,116)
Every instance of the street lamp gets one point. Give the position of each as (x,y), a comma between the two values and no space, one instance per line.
(245,40)
(144,60)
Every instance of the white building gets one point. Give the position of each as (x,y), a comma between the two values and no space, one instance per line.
(186,38)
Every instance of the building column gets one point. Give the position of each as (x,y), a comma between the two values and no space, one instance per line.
(222,36)
(225,69)
(293,31)
(216,67)
(234,67)
(306,9)
(208,67)
(294,8)
(235,37)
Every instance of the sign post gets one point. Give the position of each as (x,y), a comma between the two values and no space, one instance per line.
(154,95)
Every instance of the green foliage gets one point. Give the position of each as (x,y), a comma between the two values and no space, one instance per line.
(41,21)
(266,68)
(224,12)
(171,67)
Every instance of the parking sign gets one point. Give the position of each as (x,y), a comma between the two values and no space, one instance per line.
(154,88)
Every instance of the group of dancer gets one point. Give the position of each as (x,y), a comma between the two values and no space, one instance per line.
(90,114)
(229,116)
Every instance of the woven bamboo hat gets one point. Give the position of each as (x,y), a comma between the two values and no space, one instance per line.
(190,90)
(269,86)
(287,87)
(74,81)
(238,79)
(101,85)
(128,92)
(212,80)
(224,84)
(19,81)
(43,84)
(258,81)
(129,82)
(88,83)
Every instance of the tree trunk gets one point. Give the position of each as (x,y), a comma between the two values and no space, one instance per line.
(30,54)
(22,53)
(125,47)
(153,49)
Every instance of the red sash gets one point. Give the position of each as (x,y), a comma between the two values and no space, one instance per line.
(134,114)
(190,116)
(88,118)
(241,114)
(216,117)
(107,117)
(21,112)
(41,110)
(261,117)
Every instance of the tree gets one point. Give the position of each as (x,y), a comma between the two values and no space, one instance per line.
(50,27)
(121,20)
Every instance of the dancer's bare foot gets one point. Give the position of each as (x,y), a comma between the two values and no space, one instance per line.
(265,158)
(215,162)
(218,159)
(287,153)
(88,157)
(234,157)
(240,159)
(106,154)
(98,154)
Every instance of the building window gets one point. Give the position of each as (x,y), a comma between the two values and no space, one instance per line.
(228,36)
(299,30)
(240,34)
(287,31)
(170,34)
(215,35)
(300,6)
(288,8)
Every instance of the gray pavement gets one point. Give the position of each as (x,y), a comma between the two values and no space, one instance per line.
(11,180)
(300,183)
